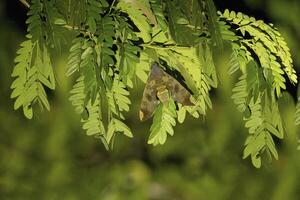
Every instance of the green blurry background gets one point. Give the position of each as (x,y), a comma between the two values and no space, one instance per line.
(50,157)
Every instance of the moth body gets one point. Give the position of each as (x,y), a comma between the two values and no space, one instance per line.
(163,94)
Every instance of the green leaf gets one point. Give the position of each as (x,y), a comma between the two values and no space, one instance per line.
(181,114)
(138,18)
(60,21)
(117,126)
(256,160)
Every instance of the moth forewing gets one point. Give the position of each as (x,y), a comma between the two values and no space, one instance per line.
(179,93)
(149,103)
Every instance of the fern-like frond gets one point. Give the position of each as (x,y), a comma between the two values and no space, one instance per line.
(90,71)
(74,58)
(264,122)
(267,43)
(93,123)
(260,111)
(118,98)
(104,49)
(240,93)
(268,61)
(163,122)
(33,72)
(182,110)
(118,101)
(92,113)
(99,94)
(239,58)
(117,126)
(90,99)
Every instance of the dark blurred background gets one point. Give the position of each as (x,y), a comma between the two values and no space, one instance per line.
(51,158)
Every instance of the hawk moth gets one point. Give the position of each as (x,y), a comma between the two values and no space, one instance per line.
(159,87)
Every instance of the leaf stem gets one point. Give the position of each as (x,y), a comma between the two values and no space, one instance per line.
(111,6)
(163,46)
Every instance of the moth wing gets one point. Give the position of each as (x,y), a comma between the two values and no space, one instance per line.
(149,100)
(148,105)
(179,93)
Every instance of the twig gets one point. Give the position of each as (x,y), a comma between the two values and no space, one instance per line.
(25,3)
(164,47)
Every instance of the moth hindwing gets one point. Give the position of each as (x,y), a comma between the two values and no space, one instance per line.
(159,87)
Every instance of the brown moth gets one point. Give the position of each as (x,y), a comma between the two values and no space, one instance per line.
(159,87)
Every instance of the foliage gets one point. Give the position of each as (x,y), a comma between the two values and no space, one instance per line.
(34,72)
(264,60)
(163,123)
(115,43)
